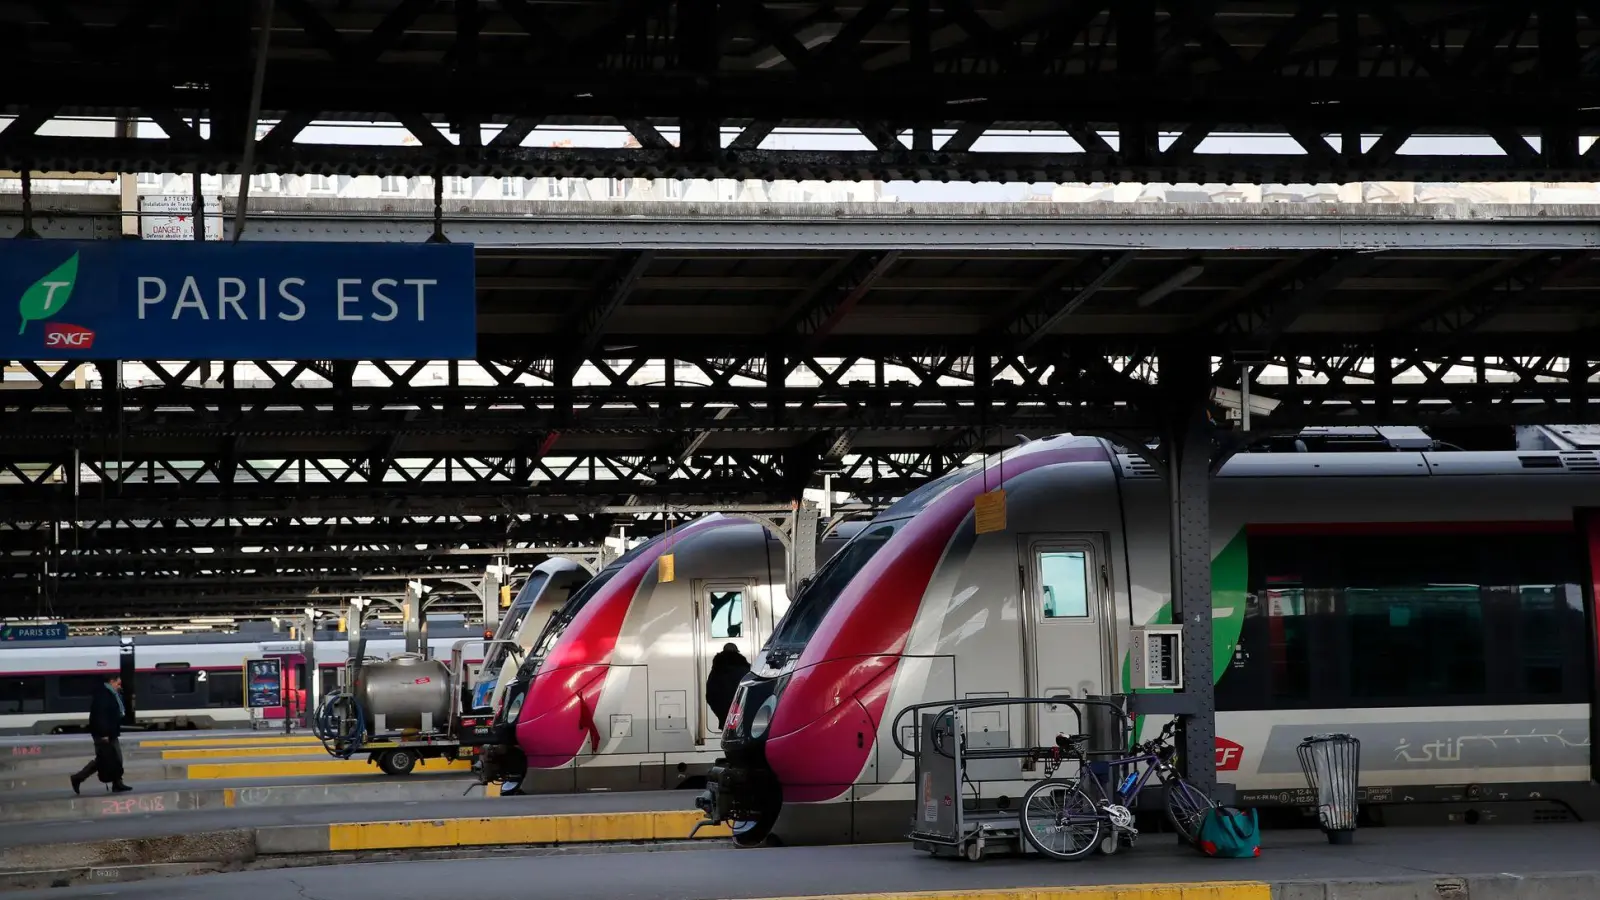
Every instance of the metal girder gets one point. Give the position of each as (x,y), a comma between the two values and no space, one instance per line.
(1040,309)
(820,308)
(1391,69)
(588,324)
(923,227)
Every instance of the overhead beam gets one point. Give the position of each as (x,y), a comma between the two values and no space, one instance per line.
(588,323)
(1045,309)
(820,309)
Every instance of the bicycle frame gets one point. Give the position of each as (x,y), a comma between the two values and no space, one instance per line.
(1153,765)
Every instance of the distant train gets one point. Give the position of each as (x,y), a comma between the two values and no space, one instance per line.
(181,681)
(612,696)
(1436,605)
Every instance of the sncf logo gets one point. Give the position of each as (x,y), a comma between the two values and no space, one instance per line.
(1229,755)
(61,336)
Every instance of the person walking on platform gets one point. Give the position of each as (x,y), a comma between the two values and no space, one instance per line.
(727,668)
(105,725)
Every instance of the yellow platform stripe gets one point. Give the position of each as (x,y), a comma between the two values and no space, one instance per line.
(242,741)
(299,769)
(668,825)
(1199,890)
(244,752)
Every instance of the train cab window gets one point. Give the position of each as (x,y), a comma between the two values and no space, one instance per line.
(727,613)
(806,612)
(21,694)
(1064,580)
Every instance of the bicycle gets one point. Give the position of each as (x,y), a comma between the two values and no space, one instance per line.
(1081,820)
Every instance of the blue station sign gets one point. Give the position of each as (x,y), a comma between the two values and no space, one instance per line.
(182,300)
(56,631)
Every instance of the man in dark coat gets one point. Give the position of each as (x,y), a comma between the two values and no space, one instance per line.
(727,668)
(105,725)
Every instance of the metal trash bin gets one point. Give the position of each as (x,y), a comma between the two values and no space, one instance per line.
(1332,766)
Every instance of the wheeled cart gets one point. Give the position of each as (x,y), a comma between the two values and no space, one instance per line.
(945,821)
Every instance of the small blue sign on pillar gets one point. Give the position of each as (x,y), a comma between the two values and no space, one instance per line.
(182,300)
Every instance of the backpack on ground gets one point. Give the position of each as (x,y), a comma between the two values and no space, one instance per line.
(1229,834)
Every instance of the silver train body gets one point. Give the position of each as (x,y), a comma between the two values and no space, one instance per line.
(1436,605)
(613,696)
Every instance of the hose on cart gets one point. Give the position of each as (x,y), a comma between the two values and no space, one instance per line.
(341,724)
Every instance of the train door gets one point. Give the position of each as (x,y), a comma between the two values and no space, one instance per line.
(1067,626)
(725,614)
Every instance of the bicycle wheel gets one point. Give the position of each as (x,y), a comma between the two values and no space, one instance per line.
(1060,821)
(1186,808)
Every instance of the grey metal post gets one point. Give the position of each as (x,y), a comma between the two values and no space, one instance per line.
(489,593)
(802,555)
(308,649)
(411,616)
(358,643)
(1185,385)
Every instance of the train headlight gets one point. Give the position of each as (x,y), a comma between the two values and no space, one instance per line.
(763,717)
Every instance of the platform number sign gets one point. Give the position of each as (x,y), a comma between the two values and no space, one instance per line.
(264,683)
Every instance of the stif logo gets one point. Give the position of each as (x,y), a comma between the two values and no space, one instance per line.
(1229,755)
(48,296)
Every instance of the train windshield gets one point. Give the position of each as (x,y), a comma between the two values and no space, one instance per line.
(569,610)
(512,623)
(819,595)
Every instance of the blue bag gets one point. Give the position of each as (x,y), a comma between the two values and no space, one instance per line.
(1229,834)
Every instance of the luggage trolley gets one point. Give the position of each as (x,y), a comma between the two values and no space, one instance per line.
(943,823)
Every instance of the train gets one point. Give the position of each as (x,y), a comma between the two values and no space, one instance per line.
(190,681)
(1437,605)
(612,697)
(549,586)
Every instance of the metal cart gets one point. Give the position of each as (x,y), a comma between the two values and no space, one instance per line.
(944,821)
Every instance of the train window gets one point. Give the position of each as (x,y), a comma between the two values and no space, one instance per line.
(167,684)
(225,690)
(727,613)
(1416,642)
(1064,579)
(79,685)
(1423,619)
(21,694)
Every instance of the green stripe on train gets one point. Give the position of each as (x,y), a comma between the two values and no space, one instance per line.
(1230,574)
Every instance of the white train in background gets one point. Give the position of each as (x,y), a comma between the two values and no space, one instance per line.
(183,681)
(1439,606)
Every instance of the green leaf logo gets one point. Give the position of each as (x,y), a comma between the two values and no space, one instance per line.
(49,294)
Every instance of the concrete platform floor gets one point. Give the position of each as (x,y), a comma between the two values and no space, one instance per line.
(141,825)
(1386,862)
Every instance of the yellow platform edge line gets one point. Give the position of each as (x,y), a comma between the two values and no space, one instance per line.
(1199,890)
(669,825)
(291,769)
(266,741)
(244,752)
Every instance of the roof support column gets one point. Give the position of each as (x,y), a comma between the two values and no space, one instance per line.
(1185,385)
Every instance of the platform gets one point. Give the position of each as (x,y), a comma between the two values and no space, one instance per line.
(1551,862)
(53,798)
